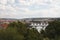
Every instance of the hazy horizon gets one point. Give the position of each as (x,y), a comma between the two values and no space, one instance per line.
(29,9)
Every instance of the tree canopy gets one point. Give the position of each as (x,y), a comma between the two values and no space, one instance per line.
(20,31)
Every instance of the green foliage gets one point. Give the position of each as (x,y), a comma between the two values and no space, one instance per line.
(52,31)
(21,31)
(33,35)
(10,34)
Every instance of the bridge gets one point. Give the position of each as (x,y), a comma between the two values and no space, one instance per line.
(39,25)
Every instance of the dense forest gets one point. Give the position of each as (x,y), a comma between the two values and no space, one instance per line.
(20,31)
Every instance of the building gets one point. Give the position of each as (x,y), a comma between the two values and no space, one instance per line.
(4,23)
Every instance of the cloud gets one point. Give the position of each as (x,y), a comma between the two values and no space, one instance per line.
(29,8)
(3,1)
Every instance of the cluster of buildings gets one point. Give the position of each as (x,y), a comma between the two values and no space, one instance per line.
(4,23)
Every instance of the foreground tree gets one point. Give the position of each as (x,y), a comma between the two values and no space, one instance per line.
(53,30)
(22,29)
(10,34)
(33,34)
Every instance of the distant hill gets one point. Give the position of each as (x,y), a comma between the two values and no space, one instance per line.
(8,19)
(30,19)
(41,19)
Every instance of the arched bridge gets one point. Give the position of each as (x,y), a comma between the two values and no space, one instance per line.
(39,25)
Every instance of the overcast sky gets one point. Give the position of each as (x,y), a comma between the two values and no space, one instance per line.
(29,8)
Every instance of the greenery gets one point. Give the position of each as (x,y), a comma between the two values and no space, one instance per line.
(52,31)
(20,31)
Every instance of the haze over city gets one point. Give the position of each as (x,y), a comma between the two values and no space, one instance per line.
(29,8)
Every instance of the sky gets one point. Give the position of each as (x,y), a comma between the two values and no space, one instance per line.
(29,8)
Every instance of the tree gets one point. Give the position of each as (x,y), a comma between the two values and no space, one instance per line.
(32,34)
(53,30)
(20,31)
(10,34)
